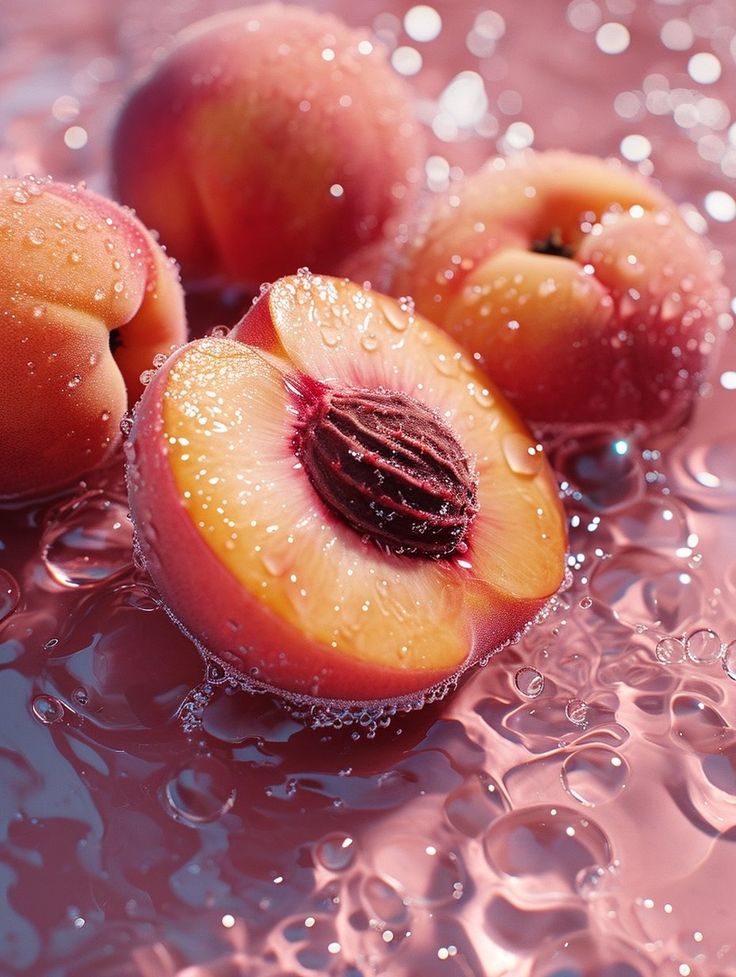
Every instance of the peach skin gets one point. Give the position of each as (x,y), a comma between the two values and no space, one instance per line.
(88,300)
(335,502)
(577,285)
(269,138)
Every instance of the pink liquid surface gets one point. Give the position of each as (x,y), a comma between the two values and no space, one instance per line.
(571,810)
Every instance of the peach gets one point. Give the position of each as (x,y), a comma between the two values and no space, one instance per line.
(269,138)
(88,299)
(336,501)
(577,285)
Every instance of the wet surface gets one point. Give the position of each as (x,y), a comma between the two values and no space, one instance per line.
(572,808)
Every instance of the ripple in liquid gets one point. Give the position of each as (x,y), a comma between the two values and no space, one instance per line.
(594,775)
(87,541)
(421,872)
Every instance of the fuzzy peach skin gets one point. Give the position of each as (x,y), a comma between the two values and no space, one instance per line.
(78,276)
(269,138)
(262,573)
(617,328)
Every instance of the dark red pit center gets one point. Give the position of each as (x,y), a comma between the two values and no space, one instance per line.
(553,244)
(389,467)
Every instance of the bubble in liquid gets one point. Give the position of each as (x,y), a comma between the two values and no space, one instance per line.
(704,646)
(594,775)
(529,682)
(9,594)
(87,541)
(576,711)
(670,651)
(202,791)
(423,874)
(545,847)
(47,709)
(729,660)
(335,852)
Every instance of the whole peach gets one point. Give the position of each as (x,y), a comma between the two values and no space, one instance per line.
(88,299)
(576,283)
(269,138)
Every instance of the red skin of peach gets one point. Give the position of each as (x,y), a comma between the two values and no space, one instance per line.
(73,268)
(619,331)
(232,145)
(211,595)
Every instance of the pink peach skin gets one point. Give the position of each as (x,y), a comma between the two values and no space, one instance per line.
(76,271)
(269,138)
(618,329)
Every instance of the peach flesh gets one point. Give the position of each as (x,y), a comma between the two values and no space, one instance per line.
(254,565)
(74,270)
(576,281)
(269,138)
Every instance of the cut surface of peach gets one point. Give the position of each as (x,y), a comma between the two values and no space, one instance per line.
(314,606)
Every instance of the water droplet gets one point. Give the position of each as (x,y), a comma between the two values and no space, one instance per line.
(703,646)
(670,651)
(47,709)
(80,696)
(74,257)
(74,381)
(202,791)
(529,682)
(370,342)
(87,541)
(522,455)
(335,851)
(20,196)
(37,236)
(576,711)
(99,294)
(9,594)
(594,775)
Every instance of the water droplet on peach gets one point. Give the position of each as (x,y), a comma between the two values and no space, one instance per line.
(522,455)
(37,236)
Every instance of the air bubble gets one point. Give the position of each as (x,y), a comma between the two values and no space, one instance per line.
(576,711)
(201,792)
(529,682)
(47,709)
(335,852)
(704,646)
(594,775)
(670,651)
(729,660)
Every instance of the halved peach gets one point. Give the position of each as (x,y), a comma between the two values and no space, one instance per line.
(268,138)
(578,285)
(332,572)
(88,299)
